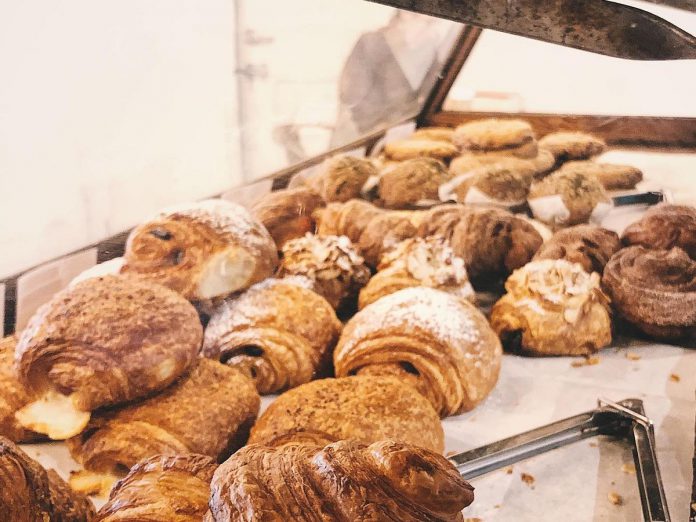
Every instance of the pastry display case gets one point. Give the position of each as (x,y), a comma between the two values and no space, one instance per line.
(450,272)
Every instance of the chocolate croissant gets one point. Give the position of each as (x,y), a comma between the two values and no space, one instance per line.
(663,227)
(208,411)
(102,342)
(203,250)
(655,290)
(172,488)
(588,245)
(363,408)
(435,341)
(29,493)
(277,333)
(344,481)
(341,178)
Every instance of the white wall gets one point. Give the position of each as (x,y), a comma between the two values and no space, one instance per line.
(108,111)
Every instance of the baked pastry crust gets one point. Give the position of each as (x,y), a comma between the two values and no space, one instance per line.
(363,408)
(588,245)
(412,183)
(209,412)
(655,290)
(348,219)
(385,231)
(572,145)
(440,344)
(341,178)
(427,262)
(202,250)
(29,493)
(493,184)
(346,480)
(419,147)
(277,333)
(287,214)
(612,176)
(553,307)
(665,226)
(529,167)
(172,488)
(434,133)
(331,263)
(514,137)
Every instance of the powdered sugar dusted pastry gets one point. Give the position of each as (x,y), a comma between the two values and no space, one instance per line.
(412,147)
(655,290)
(412,183)
(434,133)
(102,342)
(341,178)
(427,262)
(553,307)
(665,226)
(202,250)
(514,137)
(493,184)
(437,342)
(610,175)
(333,265)
(277,332)
(361,408)
(346,219)
(588,245)
(572,145)
(385,231)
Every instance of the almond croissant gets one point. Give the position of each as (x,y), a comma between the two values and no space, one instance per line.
(346,481)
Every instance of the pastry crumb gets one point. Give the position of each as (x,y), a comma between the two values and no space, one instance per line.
(593,444)
(674,377)
(473,519)
(587,361)
(527,479)
(629,468)
(615,499)
(632,356)
(508,470)
(497,506)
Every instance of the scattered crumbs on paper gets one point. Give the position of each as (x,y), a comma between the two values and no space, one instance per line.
(615,499)
(587,361)
(527,479)
(593,444)
(629,468)
(508,470)
(632,356)
(497,506)
(674,378)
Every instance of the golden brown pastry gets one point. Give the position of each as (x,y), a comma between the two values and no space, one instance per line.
(610,175)
(588,245)
(277,332)
(527,168)
(346,219)
(412,147)
(172,488)
(655,290)
(439,343)
(572,145)
(493,184)
(102,342)
(433,133)
(412,183)
(514,137)
(331,263)
(341,178)
(665,226)
(385,231)
(28,493)
(491,241)
(203,250)
(209,411)
(569,197)
(345,481)
(427,262)
(553,307)
(287,214)
(364,408)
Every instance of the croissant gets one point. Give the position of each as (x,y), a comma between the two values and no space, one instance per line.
(663,227)
(344,481)
(341,178)
(172,488)
(204,250)
(345,219)
(655,290)
(553,307)
(208,411)
(29,493)
(412,182)
(427,262)
(102,342)
(362,408)
(287,214)
(435,341)
(588,245)
(277,332)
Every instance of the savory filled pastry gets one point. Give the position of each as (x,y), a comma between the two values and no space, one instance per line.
(344,481)
(209,411)
(588,245)
(491,241)
(665,226)
(341,178)
(385,231)
(610,175)
(514,137)
(566,145)
(569,197)
(346,219)
(427,262)
(203,250)
(655,290)
(493,184)
(287,214)
(172,488)
(277,333)
(102,342)
(419,147)
(433,133)
(412,183)
(331,263)
(364,408)
(552,307)
(440,344)
(29,493)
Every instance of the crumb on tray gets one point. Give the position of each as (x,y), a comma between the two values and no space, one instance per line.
(629,468)
(674,377)
(615,499)
(508,470)
(587,361)
(632,356)
(527,479)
